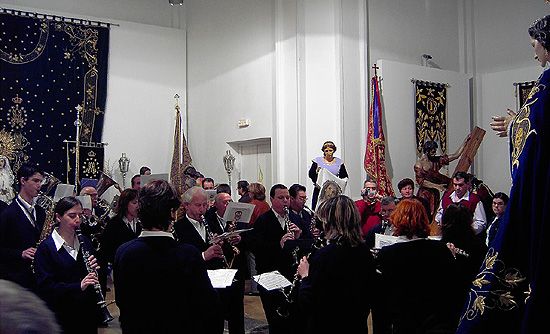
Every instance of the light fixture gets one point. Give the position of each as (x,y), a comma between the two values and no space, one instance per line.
(175,2)
(123,164)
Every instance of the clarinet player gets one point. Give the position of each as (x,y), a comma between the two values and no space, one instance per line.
(63,280)
(334,266)
(271,231)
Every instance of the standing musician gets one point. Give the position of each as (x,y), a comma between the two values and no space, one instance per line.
(63,280)
(20,226)
(123,227)
(335,266)
(232,297)
(271,230)
(162,285)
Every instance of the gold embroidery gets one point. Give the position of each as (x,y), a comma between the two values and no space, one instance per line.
(493,287)
(19,58)
(521,128)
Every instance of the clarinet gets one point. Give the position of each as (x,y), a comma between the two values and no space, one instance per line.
(211,237)
(284,309)
(106,316)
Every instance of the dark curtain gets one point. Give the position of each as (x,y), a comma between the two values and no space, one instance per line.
(523,90)
(48,69)
(430,114)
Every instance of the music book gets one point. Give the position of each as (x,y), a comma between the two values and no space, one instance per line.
(63,190)
(221,278)
(238,212)
(211,193)
(381,240)
(86,201)
(148,178)
(272,280)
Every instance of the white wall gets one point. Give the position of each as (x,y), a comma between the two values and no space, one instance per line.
(230,77)
(397,93)
(140,115)
(501,38)
(498,94)
(403,30)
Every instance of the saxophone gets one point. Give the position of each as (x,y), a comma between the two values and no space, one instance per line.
(106,316)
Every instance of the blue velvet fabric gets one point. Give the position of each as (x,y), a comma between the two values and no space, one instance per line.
(47,69)
(510,292)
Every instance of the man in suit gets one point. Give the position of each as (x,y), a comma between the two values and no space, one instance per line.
(20,226)
(192,228)
(271,230)
(162,286)
(232,297)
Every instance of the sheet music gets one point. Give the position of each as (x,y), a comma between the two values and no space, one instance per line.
(272,280)
(382,240)
(63,190)
(221,278)
(86,201)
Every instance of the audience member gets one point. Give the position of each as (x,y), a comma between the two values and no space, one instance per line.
(406,189)
(369,205)
(242,189)
(136,182)
(500,201)
(335,266)
(64,281)
(162,286)
(145,170)
(207,183)
(462,194)
(257,193)
(223,188)
(20,227)
(22,312)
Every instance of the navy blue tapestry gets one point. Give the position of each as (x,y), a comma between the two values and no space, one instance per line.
(49,68)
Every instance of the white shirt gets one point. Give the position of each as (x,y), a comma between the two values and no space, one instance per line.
(199,227)
(60,242)
(27,209)
(281,220)
(221,221)
(145,233)
(480,219)
(131,224)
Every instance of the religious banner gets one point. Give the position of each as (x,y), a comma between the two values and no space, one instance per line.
(375,153)
(522,92)
(90,163)
(50,66)
(430,114)
(181,158)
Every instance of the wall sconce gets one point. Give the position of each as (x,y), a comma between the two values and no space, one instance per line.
(175,2)
(123,165)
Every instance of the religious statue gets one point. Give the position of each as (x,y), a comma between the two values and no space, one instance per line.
(6,180)
(329,162)
(431,182)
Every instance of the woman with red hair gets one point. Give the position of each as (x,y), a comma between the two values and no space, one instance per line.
(423,294)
